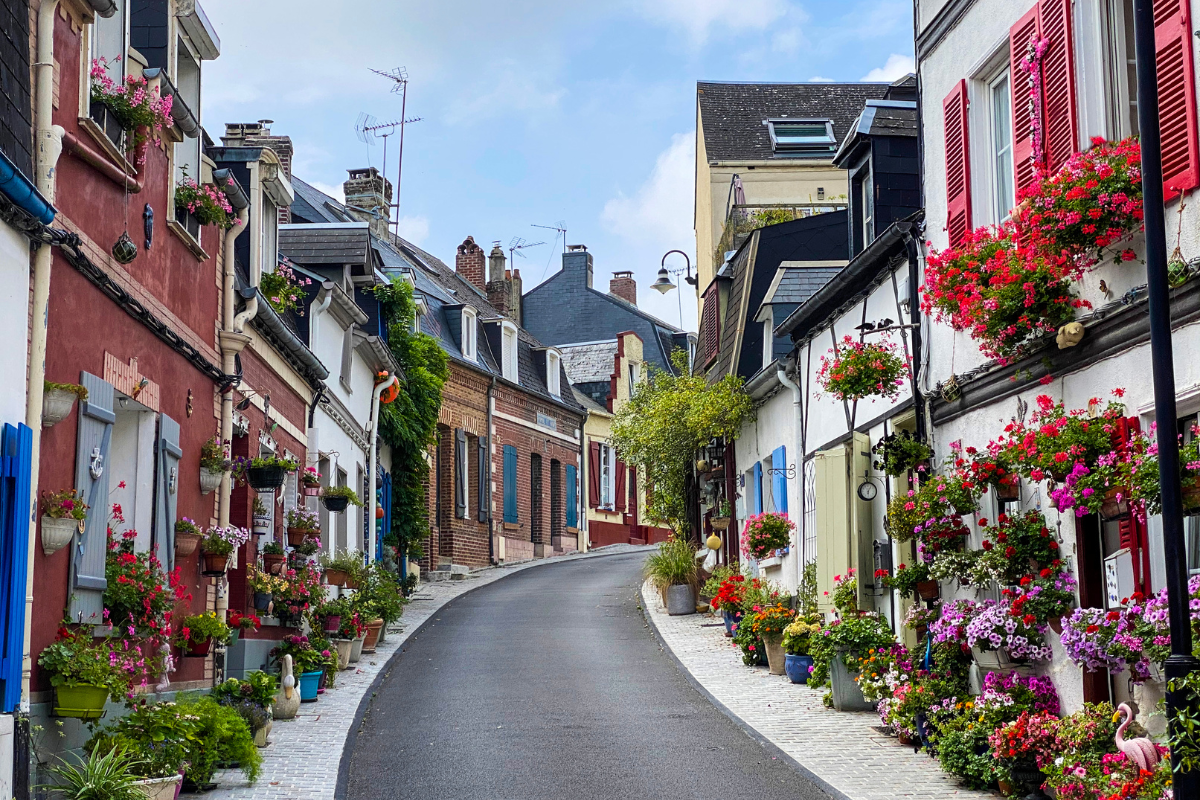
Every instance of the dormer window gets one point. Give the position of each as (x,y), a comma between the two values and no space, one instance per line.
(802,137)
(508,345)
(469,334)
(553,372)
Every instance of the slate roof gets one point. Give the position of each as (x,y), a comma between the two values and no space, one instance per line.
(881,118)
(795,284)
(313,205)
(588,403)
(733,113)
(589,363)
(327,243)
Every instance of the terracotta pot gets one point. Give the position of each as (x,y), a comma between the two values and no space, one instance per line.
(351,583)
(1115,505)
(929,590)
(373,629)
(1008,492)
(905,738)
(186,544)
(776,657)
(215,564)
(296,536)
(337,577)
(273,563)
(1056,624)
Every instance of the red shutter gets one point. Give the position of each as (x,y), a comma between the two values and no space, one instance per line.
(1019,36)
(1058,83)
(710,324)
(594,474)
(619,491)
(958,164)
(1176,96)
(1133,533)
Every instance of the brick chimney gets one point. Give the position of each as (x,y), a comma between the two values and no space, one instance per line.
(258,134)
(623,286)
(369,198)
(469,262)
(514,297)
(497,285)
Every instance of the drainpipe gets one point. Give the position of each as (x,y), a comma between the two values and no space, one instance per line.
(49,148)
(324,299)
(232,343)
(372,428)
(797,399)
(490,520)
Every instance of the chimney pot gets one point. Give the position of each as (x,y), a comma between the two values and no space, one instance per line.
(624,286)
(369,199)
(469,261)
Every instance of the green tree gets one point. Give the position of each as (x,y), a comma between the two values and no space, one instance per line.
(409,424)
(668,419)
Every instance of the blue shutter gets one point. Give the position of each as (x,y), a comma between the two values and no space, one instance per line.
(15,468)
(757,488)
(779,479)
(572,497)
(96,420)
(385,522)
(510,484)
(169,454)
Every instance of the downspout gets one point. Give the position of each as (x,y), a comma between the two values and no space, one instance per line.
(916,268)
(232,343)
(798,401)
(49,148)
(372,427)
(490,518)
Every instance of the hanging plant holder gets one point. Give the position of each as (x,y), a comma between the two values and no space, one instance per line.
(215,564)
(1116,505)
(335,504)
(57,532)
(56,406)
(265,479)
(210,479)
(260,525)
(124,251)
(296,536)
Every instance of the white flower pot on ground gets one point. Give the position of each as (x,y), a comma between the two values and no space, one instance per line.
(210,479)
(159,788)
(57,532)
(356,649)
(680,600)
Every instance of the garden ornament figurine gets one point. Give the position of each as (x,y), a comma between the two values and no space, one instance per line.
(1069,335)
(287,701)
(1141,751)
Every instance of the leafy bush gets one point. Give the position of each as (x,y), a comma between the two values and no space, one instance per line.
(673,564)
(103,776)
(162,734)
(220,736)
(76,659)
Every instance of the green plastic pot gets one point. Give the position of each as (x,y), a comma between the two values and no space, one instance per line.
(81,702)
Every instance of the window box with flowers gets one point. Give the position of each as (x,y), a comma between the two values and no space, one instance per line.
(197,633)
(202,204)
(219,545)
(857,370)
(129,107)
(63,513)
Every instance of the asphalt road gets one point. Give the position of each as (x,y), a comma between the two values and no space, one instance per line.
(547,685)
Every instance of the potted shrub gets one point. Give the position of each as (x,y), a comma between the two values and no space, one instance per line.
(897,454)
(913,581)
(797,638)
(63,513)
(187,537)
(198,632)
(729,599)
(263,584)
(336,498)
(58,400)
(768,623)
(310,482)
(766,533)
(723,517)
(102,776)
(340,569)
(252,699)
(672,570)
(218,545)
(260,517)
(301,523)
(331,614)
(220,736)
(856,370)
(311,666)
(83,672)
(1001,641)
(239,622)
(309,546)
(273,557)
(836,653)
(263,473)
(213,465)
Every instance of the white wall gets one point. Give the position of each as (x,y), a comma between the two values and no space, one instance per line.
(14,323)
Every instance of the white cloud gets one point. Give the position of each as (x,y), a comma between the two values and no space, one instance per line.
(897,66)
(415,229)
(698,17)
(336,192)
(657,218)
(819,79)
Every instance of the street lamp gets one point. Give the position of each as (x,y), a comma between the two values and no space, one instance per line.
(1181,662)
(664,284)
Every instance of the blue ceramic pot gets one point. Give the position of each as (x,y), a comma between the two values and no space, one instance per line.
(728,617)
(798,668)
(309,681)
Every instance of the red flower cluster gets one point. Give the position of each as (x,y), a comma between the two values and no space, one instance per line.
(730,594)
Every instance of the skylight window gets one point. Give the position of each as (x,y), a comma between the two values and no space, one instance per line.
(802,137)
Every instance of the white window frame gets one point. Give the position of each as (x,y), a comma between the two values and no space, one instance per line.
(635,376)
(607,478)
(802,146)
(554,372)
(1120,105)
(983,81)
(999,90)
(116,71)
(469,333)
(188,152)
(509,367)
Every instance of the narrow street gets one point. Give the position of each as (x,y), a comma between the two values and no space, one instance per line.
(548,684)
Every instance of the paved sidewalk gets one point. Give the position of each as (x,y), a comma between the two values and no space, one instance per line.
(846,751)
(305,753)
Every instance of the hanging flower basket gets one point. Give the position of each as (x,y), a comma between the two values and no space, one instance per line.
(1009,491)
(186,543)
(273,563)
(262,600)
(335,504)
(215,564)
(311,491)
(260,525)
(1116,504)
(720,523)
(198,649)
(58,400)
(210,480)
(296,536)
(856,370)
(57,533)
(929,590)
(1191,493)
(266,479)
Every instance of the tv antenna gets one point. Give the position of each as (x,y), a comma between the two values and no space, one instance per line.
(560,227)
(399,78)
(517,245)
(367,128)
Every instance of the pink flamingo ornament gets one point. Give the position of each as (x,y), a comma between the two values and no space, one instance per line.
(1141,751)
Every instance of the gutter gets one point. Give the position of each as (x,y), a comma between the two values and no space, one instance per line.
(372,428)
(23,193)
(285,338)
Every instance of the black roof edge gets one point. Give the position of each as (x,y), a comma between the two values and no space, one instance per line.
(849,282)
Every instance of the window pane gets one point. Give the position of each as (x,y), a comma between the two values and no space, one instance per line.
(108,41)
(1002,144)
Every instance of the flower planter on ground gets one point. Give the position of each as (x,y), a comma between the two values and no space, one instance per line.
(373,629)
(847,696)
(210,479)
(215,564)
(160,788)
(335,504)
(775,655)
(308,686)
(332,623)
(797,667)
(265,479)
(680,600)
(186,543)
(356,648)
(80,702)
(56,406)
(344,646)
(731,619)
(57,533)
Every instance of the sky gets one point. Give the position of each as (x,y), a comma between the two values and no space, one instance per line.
(532,112)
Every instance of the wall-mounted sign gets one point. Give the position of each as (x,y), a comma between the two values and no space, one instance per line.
(1118,577)
(547,421)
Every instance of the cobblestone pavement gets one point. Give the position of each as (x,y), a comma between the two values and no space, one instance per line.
(846,751)
(302,760)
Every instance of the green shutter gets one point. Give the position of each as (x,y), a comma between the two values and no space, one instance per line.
(510,484)
(572,497)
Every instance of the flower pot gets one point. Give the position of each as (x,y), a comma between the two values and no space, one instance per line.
(720,523)
(308,686)
(321,683)
(351,582)
(311,491)
(262,601)
(929,590)
(296,536)
(1008,492)
(234,635)
(260,525)
(343,650)
(775,654)
(198,649)
(1115,505)
(56,406)
(728,617)
(336,577)
(797,667)
(210,479)
(265,479)
(160,788)
(1191,493)
(905,738)
(356,648)
(332,623)
(336,504)
(373,629)
(273,563)
(215,564)
(993,660)
(261,734)
(81,702)
(186,543)
(680,600)
(846,694)
(57,532)
(1056,625)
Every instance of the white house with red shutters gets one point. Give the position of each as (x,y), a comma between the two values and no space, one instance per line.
(1004,82)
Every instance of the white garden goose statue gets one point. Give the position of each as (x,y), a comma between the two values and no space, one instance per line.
(1141,751)
(287,701)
